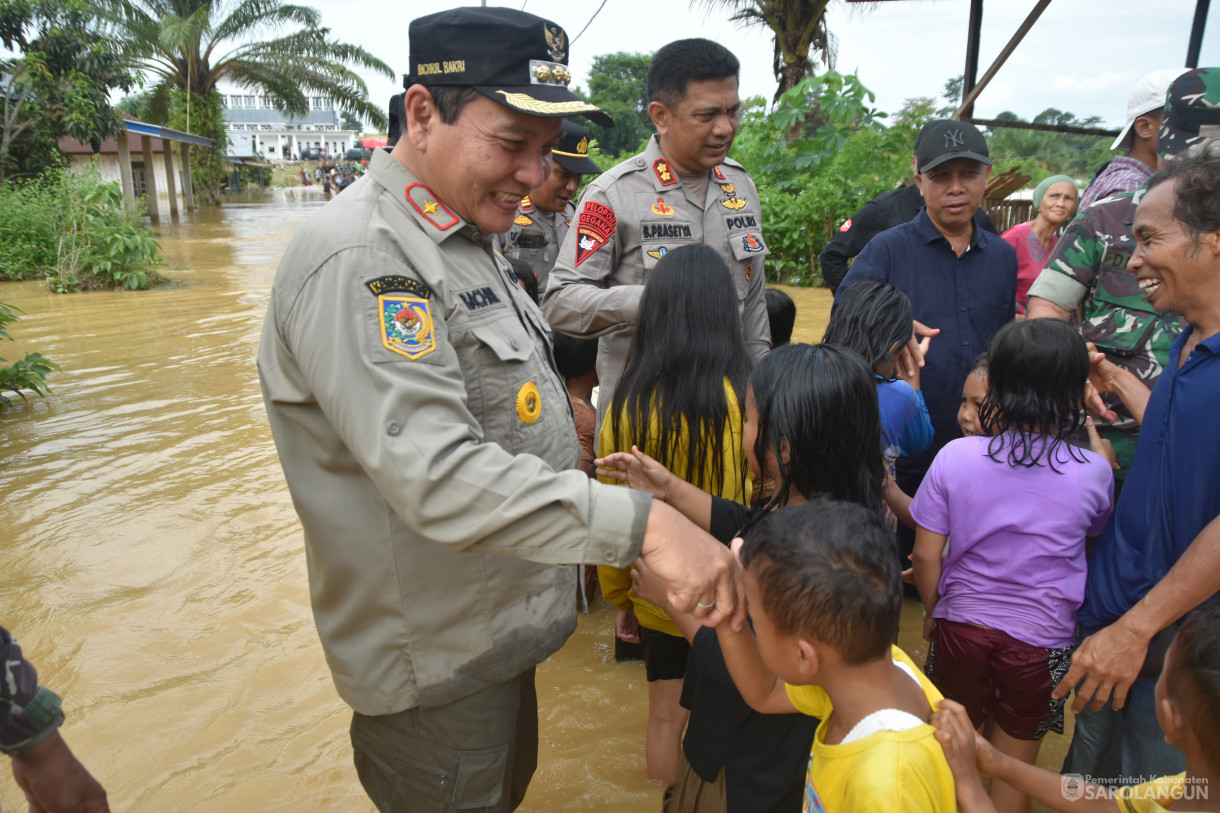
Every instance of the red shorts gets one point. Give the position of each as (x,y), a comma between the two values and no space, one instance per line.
(994,675)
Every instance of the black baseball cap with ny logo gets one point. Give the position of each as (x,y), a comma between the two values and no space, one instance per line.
(512,57)
(945,139)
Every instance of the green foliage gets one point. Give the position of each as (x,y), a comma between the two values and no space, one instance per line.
(72,229)
(204,115)
(30,373)
(59,83)
(1041,154)
(351,122)
(618,85)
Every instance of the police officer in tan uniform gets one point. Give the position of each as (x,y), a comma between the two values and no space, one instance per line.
(428,441)
(546,212)
(682,189)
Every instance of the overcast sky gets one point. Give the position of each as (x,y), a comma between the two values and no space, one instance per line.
(1082,56)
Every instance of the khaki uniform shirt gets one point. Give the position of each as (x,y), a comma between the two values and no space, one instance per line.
(426,437)
(535,237)
(631,216)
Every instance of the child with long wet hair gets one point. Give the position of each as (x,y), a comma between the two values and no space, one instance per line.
(812,428)
(679,399)
(1017,505)
(1187,707)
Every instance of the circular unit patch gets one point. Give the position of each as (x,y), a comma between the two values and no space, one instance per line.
(529,402)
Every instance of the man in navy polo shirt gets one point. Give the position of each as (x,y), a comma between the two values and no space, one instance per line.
(1159,556)
(961,280)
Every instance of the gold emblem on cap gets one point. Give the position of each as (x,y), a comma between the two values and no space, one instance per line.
(531,105)
(555,41)
(582,148)
(562,76)
(543,73)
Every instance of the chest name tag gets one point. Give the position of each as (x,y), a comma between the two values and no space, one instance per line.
(478,298)
(406,325)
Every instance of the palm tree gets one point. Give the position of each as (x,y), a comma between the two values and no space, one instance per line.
(187,46)
(800,33)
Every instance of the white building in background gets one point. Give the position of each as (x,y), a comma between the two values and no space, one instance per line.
(256,128)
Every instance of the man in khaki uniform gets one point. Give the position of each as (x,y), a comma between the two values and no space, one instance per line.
(428,441)
(544,215)
(682,189)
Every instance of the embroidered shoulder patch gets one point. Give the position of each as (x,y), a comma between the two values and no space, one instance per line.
(595,226)
(664,174)
(846,227)
(396,283)
(430,207)
(406,325)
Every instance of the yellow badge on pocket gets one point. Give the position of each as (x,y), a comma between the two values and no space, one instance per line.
(406,325)
(529,402)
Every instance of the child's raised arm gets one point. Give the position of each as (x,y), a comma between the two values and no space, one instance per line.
(968,754)
(643,473)
(759,686)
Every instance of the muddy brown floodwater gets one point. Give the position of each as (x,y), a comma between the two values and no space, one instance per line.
(153,564)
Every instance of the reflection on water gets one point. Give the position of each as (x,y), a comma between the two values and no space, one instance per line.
(153,563)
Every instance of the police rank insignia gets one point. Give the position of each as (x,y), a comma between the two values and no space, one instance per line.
(664,174)
(406,325)
(527,205)
(529,402)
(658,253)
(720,176)
(733,203)
(522,220)
(594,227)
(429,207)
(660,208)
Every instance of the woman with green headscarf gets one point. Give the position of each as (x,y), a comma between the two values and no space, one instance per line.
(1054,203)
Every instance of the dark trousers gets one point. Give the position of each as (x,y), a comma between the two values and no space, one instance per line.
(474,754)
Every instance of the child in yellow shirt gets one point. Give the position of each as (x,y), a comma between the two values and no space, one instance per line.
(824,593)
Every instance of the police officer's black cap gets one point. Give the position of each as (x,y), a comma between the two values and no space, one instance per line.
(946,139)
(572,151)
(513,57)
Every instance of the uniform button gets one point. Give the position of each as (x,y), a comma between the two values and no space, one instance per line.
(639,162)
(513,344)
(609,556)
(393,428)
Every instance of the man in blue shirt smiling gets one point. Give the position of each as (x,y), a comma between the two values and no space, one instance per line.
(1159,556)
(961,279)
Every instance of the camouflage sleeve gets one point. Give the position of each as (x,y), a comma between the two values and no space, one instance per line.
(1072,268)
(28,712)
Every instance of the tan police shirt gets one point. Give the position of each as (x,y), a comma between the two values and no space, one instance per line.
(631,216)
(427,442)
(535,237)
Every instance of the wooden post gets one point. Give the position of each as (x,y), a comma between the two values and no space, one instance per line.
(188,186)
(150,179)
(171,183)
(129,192)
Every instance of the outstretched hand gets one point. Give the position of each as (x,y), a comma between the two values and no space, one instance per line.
(1102,380)
(54,780)
(1098,444)
(910,358)
(1106,663)
(968,753)
(638,471)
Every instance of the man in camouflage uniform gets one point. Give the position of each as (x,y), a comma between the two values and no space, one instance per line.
(1088,270)
(30,717)
(682,189)
(545,214)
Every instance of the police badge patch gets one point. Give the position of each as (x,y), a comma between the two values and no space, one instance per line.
(406,325)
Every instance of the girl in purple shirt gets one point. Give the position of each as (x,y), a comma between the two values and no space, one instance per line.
(1015,507)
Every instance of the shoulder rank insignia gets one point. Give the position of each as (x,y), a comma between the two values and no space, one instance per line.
(396,283)
(658,253)
(406,325)
(728,189)
(430,207)
(751,243)
(529,402)
(664,174)
(523,220)
(733,203)
(719,173)
(595,226)
(527,205)
(661,208)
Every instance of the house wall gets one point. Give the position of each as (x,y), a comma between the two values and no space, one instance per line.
(107,166)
